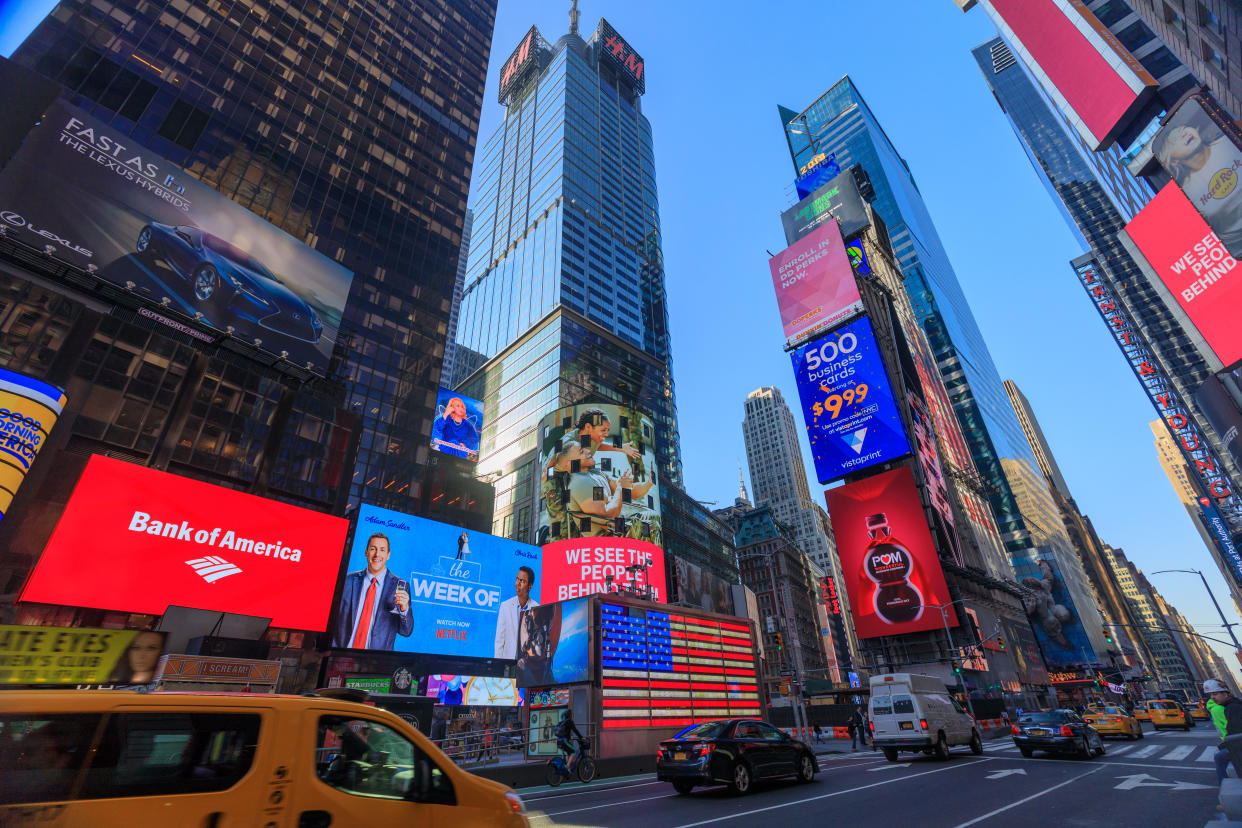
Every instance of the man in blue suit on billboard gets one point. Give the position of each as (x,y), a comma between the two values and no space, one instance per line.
(375,604)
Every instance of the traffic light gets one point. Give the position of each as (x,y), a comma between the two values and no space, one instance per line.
(1108,636)
(780,642)
(957,668)
(1000,642)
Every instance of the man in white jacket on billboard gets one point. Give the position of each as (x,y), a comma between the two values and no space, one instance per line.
(508,620)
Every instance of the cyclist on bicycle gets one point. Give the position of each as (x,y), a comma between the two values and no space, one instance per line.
(564,730)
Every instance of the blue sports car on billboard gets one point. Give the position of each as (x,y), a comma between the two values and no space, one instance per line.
(228,282)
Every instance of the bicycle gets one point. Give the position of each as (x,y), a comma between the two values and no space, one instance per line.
(584,766)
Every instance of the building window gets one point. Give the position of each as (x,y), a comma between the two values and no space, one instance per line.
(1174,18)
(1111,12)
(1160,62)
(1213,57)
(1209,20)
(1134,35)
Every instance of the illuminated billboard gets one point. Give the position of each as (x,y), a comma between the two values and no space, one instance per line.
(102,201)
(816,173)
(524,56)
(598,475)
(458,425)
(838,199)
(613,48)
(698,587)
(1194,265)
(851,418)
(1080,64)
(814,284)
(28,410)
(1205,161)
(420,586)
(137,540)
(888,560)
(488,691)
(553,644)
(671,669)
(586,566)
(78,655)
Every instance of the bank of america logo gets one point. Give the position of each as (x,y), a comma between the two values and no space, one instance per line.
(213,568)
(855,440)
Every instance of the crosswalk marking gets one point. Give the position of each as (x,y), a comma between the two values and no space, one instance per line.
(1113,751)
(1209,753)
(1145,752)
(1178,753)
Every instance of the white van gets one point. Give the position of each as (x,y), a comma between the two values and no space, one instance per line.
(916,713)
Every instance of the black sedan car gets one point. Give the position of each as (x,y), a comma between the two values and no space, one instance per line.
(229,284)
(734,752)
(1056,731)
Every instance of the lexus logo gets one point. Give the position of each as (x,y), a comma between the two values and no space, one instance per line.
(212,568)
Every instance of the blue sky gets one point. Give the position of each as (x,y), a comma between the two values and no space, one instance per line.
(715,75)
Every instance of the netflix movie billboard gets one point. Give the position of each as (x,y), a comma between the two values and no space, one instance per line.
(586,566)
(1080,64)
(1194,265)
(814,283)
(103,201)
(135,539)
(888,560)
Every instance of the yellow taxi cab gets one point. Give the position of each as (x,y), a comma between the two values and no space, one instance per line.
(1197,712)
(1140,712)
(118,758)
(1166,713)
(1114,721)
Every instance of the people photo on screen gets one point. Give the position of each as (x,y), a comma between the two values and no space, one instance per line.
(537,638)
(138,663)
(375,603)
(512,609)
(1206,165)
(454,432)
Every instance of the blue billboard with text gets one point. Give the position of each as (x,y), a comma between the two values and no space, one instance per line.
(847,402)
(420,586)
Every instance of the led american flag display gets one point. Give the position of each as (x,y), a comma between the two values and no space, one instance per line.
(664,669)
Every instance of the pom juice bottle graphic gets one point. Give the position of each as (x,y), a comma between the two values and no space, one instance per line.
(889,565)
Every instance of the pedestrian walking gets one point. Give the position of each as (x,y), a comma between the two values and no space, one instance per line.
(858,728)
(816,732)
(1226,712)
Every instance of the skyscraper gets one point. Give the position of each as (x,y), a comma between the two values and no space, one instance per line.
(350,126)
(1035,436)
(564,290)
(840,122)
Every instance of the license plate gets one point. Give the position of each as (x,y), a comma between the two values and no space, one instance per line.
(1037,731)
(907,725)
(679,756)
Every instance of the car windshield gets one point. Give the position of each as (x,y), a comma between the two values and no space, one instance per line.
(706,730)
(1042,718)
(1162,705)
(235,254)
(1112,711)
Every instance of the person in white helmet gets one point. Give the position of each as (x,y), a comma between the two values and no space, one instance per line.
(1222,704)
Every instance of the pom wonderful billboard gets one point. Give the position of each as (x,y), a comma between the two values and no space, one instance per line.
(100,199)
(888,560)
(137,540)
(814,283)
(1194,265)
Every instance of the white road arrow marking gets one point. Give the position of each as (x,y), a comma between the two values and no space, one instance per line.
(890,766)
(1008,772)
(1140,780)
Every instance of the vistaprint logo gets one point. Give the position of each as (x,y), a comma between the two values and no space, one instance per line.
(213,568)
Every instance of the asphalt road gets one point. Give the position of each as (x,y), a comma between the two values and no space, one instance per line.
(1166,779)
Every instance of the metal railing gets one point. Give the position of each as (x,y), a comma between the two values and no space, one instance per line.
(477,748)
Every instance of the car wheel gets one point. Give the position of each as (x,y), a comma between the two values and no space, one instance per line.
(741,779)
(1027,752)
(1085,751)
(806,768)
(682,786)
(942,748)
(890,754)
(206,283)
(143,245)
(976,743)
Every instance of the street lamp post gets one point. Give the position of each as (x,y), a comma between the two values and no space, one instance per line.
(944,618)
(1237,648)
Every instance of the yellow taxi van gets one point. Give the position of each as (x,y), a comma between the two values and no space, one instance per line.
(118,758)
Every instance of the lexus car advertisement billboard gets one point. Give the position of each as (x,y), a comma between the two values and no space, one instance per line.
(598,475)
(851,419)
(1082,66)
(420,586)
(98,198)
(136,539)
(888,560)
(814,283)
(1194,265)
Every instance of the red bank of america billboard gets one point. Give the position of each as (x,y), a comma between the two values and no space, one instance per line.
(814,283)
(1082,66)
(888,560)
(137,540)
(1194,265)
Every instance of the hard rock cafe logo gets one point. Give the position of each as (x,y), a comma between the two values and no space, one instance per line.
(1223,183)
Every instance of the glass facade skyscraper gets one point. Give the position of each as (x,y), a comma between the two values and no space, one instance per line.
(840,122)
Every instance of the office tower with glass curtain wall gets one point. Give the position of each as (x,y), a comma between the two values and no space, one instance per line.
(350,126)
